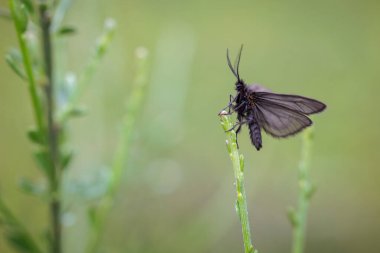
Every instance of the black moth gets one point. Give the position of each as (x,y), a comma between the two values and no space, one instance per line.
(279,115)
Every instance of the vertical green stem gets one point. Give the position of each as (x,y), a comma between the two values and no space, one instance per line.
(238,167)
(134,107)
(20,32)
(52,128)
(306,190)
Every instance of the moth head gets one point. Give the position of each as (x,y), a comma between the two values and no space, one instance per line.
(235,68)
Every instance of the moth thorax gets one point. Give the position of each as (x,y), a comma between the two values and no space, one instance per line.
(257,88)
(240,86)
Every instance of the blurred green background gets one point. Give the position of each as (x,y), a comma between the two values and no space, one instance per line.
(178,193)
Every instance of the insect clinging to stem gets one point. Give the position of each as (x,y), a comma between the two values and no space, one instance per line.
(280,115)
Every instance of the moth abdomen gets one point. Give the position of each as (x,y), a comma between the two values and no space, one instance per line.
(255,134)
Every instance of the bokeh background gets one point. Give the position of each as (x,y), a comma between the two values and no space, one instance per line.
(178,192)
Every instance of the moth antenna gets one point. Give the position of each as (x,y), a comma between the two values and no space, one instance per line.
(230,65)
(237,62)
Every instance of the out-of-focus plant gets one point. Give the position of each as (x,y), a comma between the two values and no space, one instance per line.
(298,217)
(39,26)
(98,213)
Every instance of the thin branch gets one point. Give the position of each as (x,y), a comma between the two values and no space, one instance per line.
(298,218)
(238,167)
(20,32)
(134,107)
(53,130)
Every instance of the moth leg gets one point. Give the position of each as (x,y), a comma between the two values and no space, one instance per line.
(236,133)
(239,106)
(232,99)
(239,124)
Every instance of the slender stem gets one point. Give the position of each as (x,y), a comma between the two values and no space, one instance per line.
(306,190)
(238,167)
(134,107)
(36,103)
(53,129)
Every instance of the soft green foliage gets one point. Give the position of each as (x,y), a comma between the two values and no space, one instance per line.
(70,109)
(238,167)
(51,117)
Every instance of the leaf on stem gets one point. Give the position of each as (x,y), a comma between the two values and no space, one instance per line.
(32,188)
(28,5)
(35,136)
(14,61)
(60,13)
(20,241)
(15,232)
(66,30)
(292,216)
(310,191)
(77,112)
(43,160)
(66,159)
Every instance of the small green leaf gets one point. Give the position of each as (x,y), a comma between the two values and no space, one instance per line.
(28,5)
(35,136)
(14,60)
(77,112)
(21,241)
(311,191)
(66,159)
(292,216)
(66,30)
(32,188)
(44,162)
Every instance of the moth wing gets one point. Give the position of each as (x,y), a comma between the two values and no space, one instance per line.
(280,121)
(300,104)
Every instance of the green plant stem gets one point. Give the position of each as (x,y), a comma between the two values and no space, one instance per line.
(53,131)
(306,190)
(238,167)
(134,107)
(36,103)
